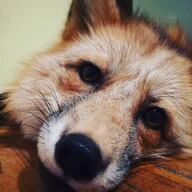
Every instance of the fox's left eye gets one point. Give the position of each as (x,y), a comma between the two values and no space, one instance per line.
(154,118)
(90,73)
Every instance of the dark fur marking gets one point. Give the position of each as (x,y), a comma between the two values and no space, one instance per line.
(79,11)
(4,116)
(129,150)
(68,106)
(148,101)
(125,8)
(1,169)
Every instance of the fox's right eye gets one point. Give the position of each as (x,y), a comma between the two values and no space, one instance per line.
(90,73)
(154,118)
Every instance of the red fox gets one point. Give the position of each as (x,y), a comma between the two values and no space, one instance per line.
(117,89)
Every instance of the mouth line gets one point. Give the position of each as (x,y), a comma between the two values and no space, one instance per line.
(52,182)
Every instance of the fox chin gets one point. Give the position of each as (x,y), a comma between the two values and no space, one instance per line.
(116,89)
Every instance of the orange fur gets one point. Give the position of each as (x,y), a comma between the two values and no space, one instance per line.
(142,66)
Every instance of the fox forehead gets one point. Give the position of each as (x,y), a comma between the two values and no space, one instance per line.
(112,44)
(122,46)
(127,51)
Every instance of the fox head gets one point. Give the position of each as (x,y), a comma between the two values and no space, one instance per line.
(116,89)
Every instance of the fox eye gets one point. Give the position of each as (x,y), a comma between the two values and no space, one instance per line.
(154,118)
(90,73)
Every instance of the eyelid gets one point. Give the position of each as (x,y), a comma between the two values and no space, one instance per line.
(71,66)
(75,66)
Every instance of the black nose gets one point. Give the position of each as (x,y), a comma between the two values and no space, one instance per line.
(78,156)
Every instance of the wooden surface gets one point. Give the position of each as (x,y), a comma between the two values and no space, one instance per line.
(18,170)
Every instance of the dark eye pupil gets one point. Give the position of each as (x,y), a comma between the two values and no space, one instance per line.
(154,118)
(90,73)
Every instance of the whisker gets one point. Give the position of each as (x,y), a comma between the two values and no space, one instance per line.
(36,99)
(54,94)
(35,128)
(39,109)
(39,119)
(33,135)
(152,157)
(47,103)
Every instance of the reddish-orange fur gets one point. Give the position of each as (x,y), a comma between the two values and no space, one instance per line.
(142,65)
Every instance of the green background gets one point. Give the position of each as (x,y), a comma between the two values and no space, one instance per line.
(168,11)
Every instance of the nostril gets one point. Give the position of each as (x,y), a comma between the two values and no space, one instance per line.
(78,156)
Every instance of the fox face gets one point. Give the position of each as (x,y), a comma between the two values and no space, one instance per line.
(115,90)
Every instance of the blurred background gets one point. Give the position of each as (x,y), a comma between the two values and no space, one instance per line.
(27,27)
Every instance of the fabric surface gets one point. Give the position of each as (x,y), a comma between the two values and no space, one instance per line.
(19,170)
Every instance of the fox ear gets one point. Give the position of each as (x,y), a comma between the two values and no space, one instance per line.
(87,14)
(125,8)
(78,18)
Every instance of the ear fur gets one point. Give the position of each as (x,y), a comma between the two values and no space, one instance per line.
(86,14)
(125,8)
(178,36)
